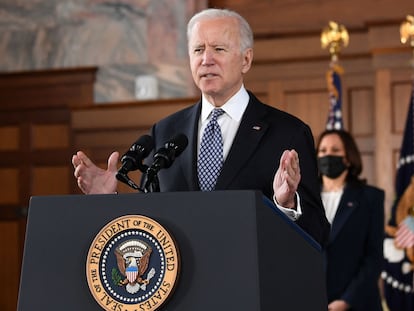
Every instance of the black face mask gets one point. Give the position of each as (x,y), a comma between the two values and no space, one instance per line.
(331,166)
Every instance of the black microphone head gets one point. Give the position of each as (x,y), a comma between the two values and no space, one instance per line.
(178,143)
(143,146)
(166,155)
(139,150)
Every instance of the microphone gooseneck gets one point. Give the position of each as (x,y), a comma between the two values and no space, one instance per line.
(164,158)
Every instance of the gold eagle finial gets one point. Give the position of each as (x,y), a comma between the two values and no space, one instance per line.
(334,37)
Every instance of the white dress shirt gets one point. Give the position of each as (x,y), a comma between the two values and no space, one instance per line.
(229,122)
(330,200)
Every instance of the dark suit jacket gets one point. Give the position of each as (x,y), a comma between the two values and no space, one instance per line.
(253,159)
(355,249)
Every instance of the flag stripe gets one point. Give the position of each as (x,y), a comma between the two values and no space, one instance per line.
(335,98)
(404,237)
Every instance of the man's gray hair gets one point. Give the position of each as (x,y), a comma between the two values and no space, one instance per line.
(246,33)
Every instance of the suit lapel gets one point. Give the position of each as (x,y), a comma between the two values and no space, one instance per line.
(252,128)
(347,205)
(188,160)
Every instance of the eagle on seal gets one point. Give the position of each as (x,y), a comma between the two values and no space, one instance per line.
(132,257)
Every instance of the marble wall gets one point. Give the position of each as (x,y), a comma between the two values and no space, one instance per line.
(123,38)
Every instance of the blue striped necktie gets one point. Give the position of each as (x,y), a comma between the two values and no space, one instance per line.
(210,159)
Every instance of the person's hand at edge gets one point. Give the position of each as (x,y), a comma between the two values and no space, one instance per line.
(338,305)
(92,179)
(287,178)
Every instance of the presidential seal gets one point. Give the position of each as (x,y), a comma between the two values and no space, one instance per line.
(132,265)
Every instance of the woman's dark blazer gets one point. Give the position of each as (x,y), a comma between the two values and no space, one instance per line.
(355,249)
(264,133)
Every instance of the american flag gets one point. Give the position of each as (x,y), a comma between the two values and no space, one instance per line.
(333,79)
(405,234)
(398,279)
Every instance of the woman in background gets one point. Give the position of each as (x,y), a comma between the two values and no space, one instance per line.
(356,212)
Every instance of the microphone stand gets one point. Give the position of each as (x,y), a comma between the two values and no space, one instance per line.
(153,186)
(152,183)
(126,180)
(123,177)
(163,158)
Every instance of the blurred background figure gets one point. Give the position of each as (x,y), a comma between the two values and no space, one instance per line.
(356,212)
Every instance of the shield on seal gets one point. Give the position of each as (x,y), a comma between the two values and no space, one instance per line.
(131,273)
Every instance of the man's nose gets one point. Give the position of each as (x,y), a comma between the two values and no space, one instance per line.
(208,57)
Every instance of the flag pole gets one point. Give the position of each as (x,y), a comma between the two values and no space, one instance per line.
(334,37)
(407,35)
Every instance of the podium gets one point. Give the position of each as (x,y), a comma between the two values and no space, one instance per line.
(237,251)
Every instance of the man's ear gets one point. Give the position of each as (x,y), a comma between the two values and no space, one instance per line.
(247,60)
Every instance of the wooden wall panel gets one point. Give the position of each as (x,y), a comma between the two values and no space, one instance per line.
(35,151)
(384,164)
(368,164)
(361,111)
(109,139)
(50,136)
(49,180)
(361,116)
(140,114)
(400,93)
(283,17)
(9,264)
(69,87)
(9,138)
(9,185)
(103,129)
(310,106)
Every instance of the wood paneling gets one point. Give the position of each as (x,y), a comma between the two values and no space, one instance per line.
(103,129)
(10,256)
(9,185)
(47,88)
(35,151)
(361,111)
(49,180)
(383,161)
(50,136)
(9,138)
(400,99)
(292,17)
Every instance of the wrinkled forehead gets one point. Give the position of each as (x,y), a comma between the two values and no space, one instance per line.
(215,31)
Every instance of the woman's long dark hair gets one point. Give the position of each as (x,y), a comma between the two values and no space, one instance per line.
(352,154)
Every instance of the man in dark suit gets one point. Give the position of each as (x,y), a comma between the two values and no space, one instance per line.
(260,144)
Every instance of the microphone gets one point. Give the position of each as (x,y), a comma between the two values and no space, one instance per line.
(164,157)
(132,159)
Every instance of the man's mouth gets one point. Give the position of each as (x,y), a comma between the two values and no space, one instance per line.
(208,75)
